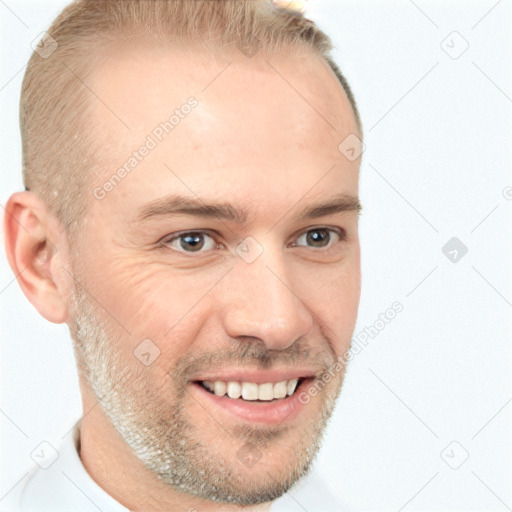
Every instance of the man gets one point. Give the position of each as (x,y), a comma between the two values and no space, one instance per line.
(191,212)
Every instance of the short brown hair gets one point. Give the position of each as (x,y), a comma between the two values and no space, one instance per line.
(57,157)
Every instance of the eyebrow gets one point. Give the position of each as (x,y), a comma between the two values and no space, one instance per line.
(170,205)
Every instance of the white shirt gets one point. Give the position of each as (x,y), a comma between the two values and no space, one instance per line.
(65,486)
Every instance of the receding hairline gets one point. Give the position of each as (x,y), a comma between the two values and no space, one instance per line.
(124,48)
(126,40)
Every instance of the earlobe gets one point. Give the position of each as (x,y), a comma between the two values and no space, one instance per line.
(32,247)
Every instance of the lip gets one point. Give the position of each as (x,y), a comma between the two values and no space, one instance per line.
(257,376)
(268,413)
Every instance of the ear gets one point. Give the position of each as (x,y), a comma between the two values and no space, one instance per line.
(32,239)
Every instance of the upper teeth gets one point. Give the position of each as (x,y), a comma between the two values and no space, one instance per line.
(251,390)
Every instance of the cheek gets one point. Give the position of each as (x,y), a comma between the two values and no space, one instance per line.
(152,300)
(342,303)
(333,294)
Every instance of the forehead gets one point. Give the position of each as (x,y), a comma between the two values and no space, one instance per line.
(258,124)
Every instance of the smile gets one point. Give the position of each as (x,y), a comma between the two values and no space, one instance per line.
(251,391)
(267,402)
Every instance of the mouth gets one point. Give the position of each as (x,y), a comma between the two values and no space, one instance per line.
(264,402)
(252,391)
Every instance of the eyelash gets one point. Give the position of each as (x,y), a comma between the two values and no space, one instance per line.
(165,241)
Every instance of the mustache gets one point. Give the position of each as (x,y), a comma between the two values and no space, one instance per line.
(253,354)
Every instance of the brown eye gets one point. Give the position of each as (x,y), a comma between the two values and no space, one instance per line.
(318,238)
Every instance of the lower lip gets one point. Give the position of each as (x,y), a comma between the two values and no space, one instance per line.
(270,413)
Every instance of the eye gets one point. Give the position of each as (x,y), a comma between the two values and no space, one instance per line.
(193,241)
(319,237)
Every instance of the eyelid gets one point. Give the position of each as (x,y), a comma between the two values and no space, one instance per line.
(172,236)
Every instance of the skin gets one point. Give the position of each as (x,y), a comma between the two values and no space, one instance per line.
(252,141)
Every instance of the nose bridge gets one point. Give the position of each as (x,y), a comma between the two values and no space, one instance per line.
(262,303)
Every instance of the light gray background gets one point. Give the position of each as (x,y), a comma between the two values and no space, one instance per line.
(436,166)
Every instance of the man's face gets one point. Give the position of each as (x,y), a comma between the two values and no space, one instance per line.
(158,312)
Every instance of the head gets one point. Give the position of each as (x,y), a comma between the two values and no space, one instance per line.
(190,215)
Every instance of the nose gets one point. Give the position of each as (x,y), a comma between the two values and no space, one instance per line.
(262,303)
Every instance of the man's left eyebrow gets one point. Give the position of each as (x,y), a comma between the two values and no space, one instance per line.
(338,204)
